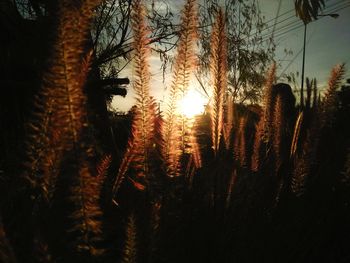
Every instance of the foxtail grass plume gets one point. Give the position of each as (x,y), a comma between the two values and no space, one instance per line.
(195,151)
(103,165)
(269,102)
(231,185)
(130,247)
(279,126)
(218,70)
(306,163)
(240,145)
(60,126)
(174,128)
(264,132)
(302,167)
(228,125)
(329,105)
(71,120)
(85,193)
(60,110)
(258,156)
(137,152)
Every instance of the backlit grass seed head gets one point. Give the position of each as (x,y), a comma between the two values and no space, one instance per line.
(218,70)
(174,127)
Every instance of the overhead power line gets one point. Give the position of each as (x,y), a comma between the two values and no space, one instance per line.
(294,16)
(298,24)
(295,21)
(299,52)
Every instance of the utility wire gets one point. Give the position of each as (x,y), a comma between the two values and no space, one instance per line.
(298,24)
(328,9)
(274,24)
(294,16)
(288,26)
(299,52)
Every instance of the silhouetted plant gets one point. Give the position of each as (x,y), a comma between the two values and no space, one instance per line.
(279,142)
(329,105)
(296,135)
(130,246)
(314,98)
(64,152)
(283,125)
(174,126)
(309,85)
(259,147)
(269,103)
(230,187)
(263,135)
(218,70)
(240,145)
(139,145)
(228,124)
(322,119)
(103,165)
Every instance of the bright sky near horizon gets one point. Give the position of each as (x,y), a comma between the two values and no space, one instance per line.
(327,44)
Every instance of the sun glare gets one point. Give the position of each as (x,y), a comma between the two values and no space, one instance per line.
(192,104)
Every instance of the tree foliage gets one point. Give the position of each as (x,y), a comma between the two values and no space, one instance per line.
(112,34)
(307,10)
(248,55)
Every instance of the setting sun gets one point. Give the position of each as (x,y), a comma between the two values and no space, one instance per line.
(192,104)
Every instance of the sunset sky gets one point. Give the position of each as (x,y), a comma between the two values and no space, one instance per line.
(328,43)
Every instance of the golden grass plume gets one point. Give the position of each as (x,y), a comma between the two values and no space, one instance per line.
(228,125)
(139,144)
(329,104)
(174,127)
(218,70)
(130,247)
